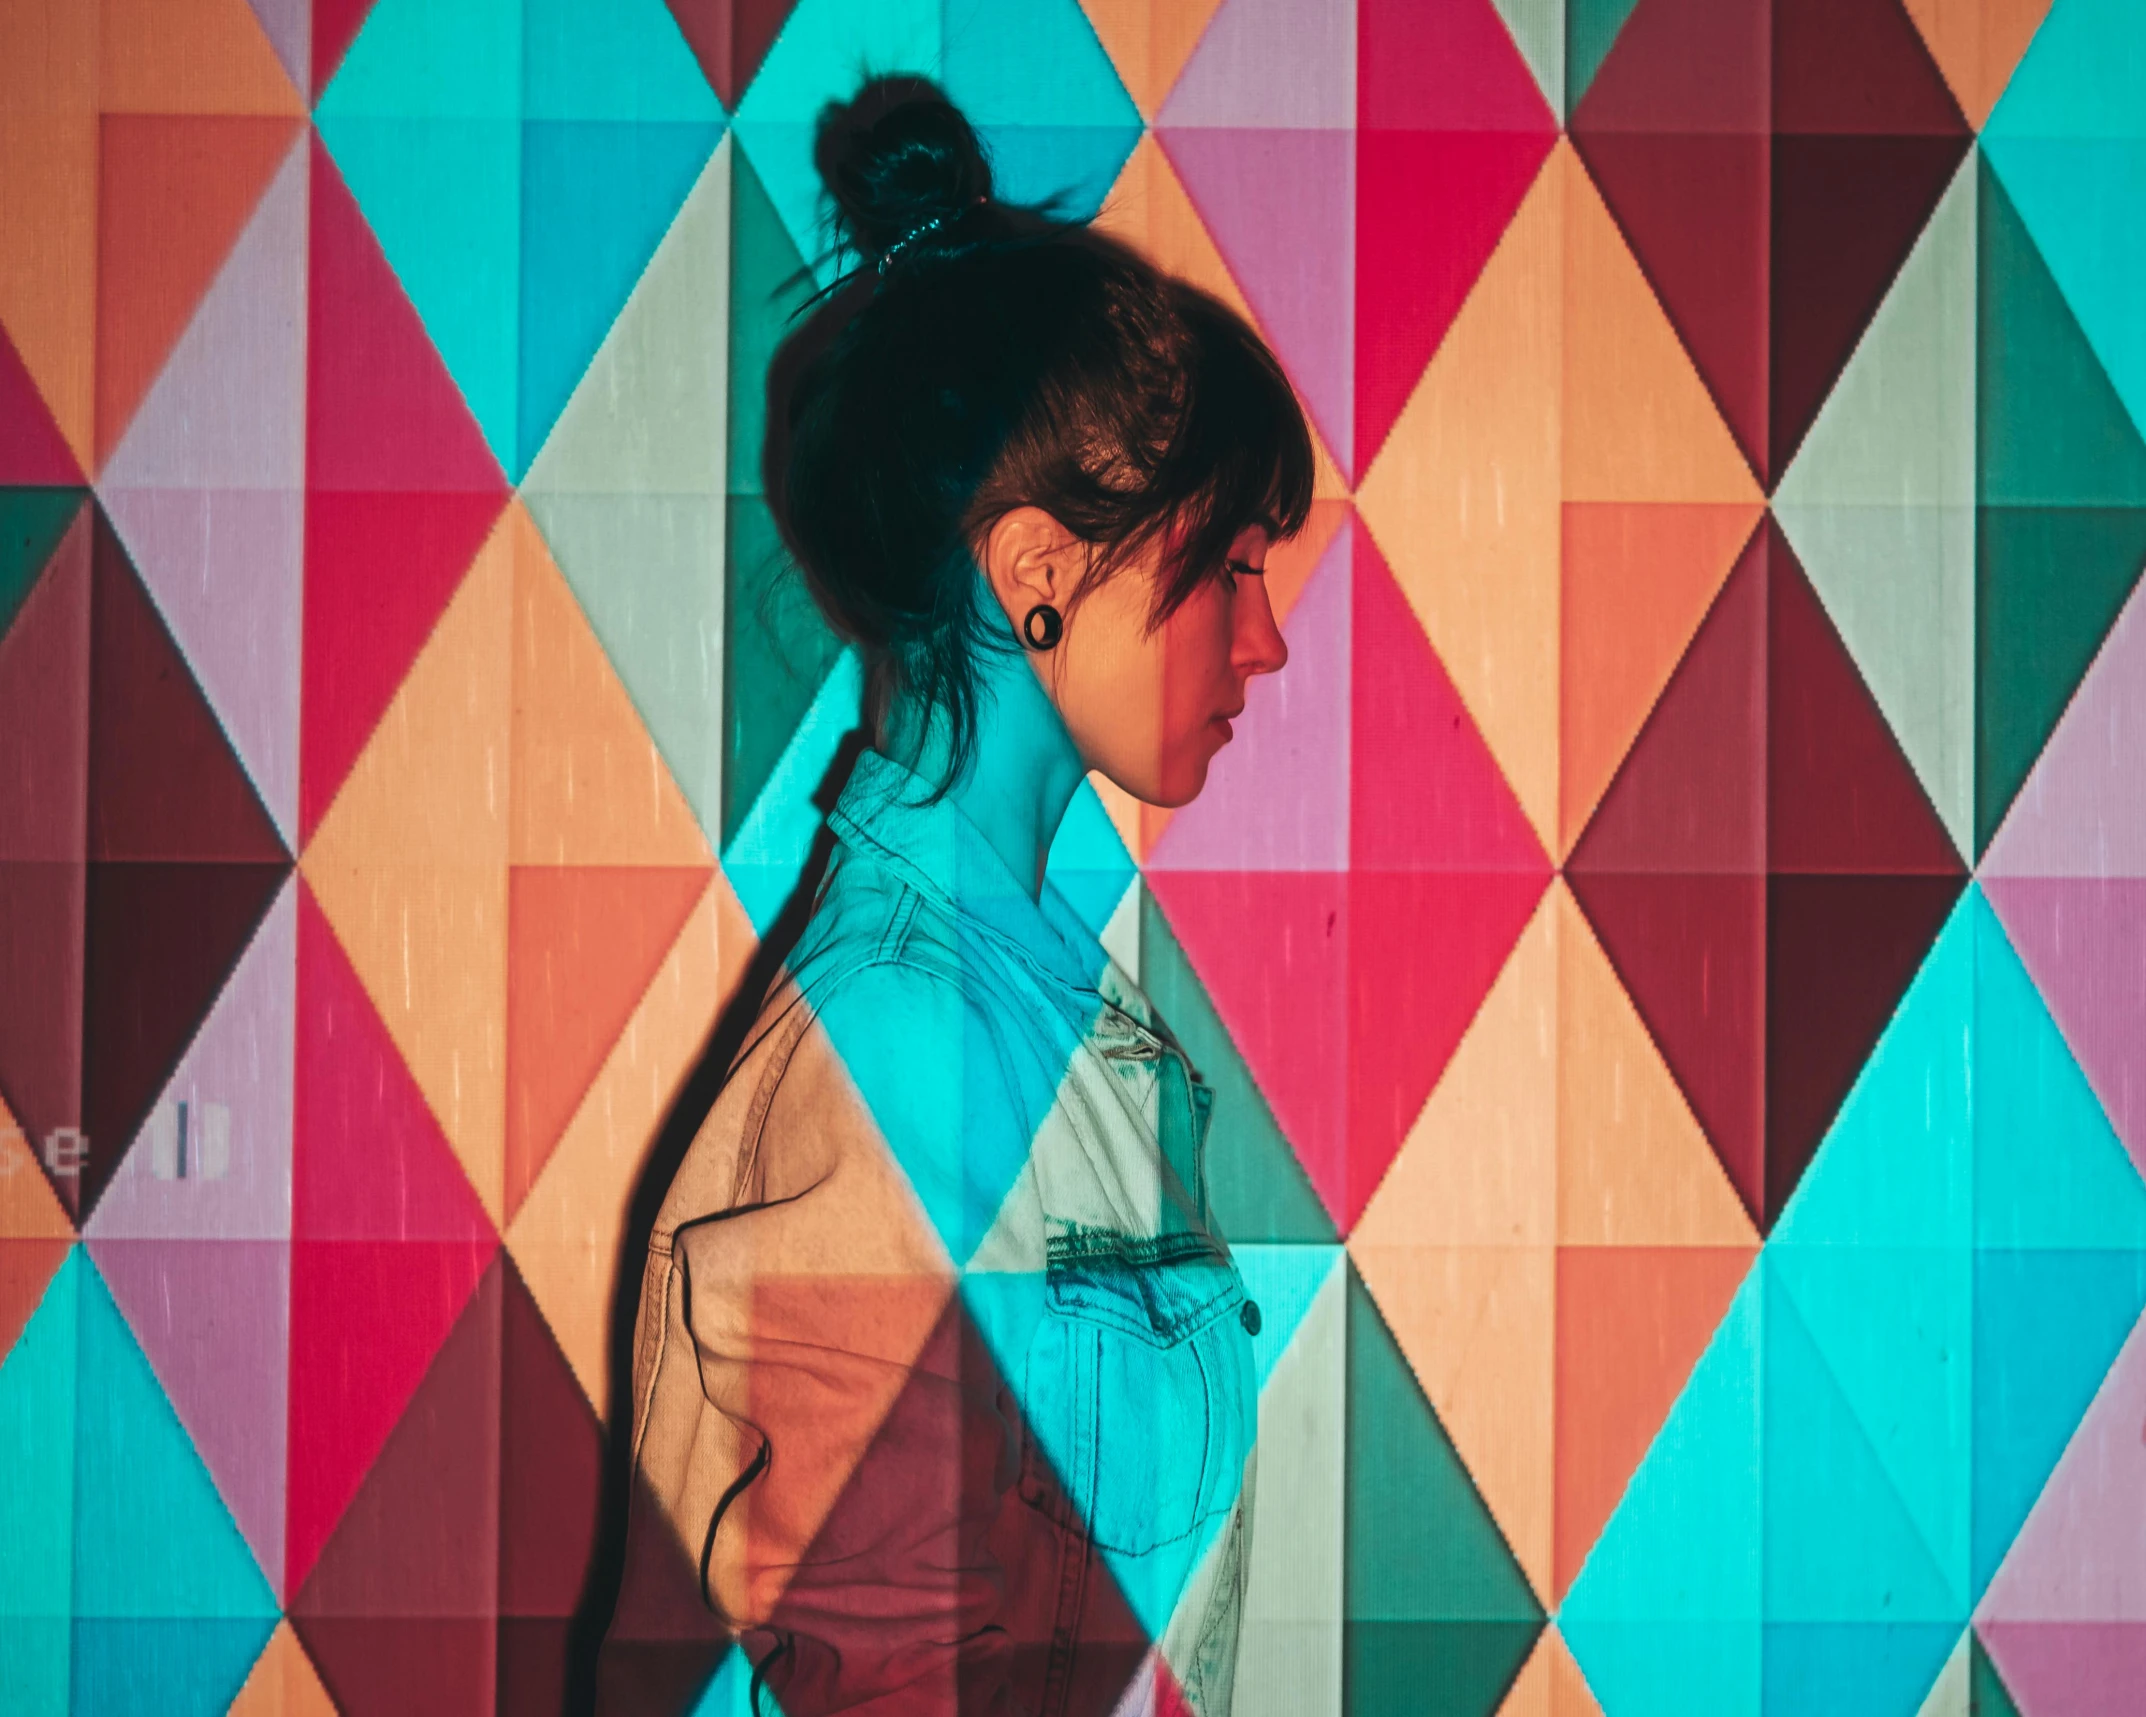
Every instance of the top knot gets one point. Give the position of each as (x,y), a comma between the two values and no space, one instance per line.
(902,166)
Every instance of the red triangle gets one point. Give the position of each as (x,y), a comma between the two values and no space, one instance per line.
(174,191)
(1270,948)
(583,941)
(164,783)
(396,1666)
(1690,796)
(1425,793)
(730,38)
(33,453)
(336,24)
(550,1465)
(1840,795)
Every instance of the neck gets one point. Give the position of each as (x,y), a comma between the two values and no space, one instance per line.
(1023,768)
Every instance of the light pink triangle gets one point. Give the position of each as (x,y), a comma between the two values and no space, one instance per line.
(288,25)
(214,1318)
(1281,207)
(1277,796)
(2084,940)
(239,1062)
(2082,811)
(207,489)
(1267,63)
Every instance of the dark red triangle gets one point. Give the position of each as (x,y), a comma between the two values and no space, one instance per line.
(1840,951)
(404,1666)
(159,941)
(164,783)
(730,38)
(421,1537)
(1841,796)
(336,24)
(550,1464)
(1691,952)
(1857,67)
(1691,794)
(32,450)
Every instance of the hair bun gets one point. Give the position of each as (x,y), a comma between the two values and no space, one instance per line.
(895,157)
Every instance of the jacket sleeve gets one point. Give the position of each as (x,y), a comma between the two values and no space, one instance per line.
(814,1410)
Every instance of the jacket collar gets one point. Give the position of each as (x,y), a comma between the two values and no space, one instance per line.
(882,811)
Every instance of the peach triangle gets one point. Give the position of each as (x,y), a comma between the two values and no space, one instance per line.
(1149,42)
(589,785)
(1639,423)
(189,56)
(1638,578)
(1529,1695)
(1977,44)
(1570,1696)
(1633,1166)
(28,1208)
(410,864)
(283,1682)
(565,1234)
(1463,499)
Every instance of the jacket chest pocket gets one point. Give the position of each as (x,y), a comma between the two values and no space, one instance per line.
(1141,1395)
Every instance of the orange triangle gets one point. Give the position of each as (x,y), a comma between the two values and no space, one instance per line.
(1570,1696)
(1633,1166)
(189,56)
(1149,42)
(1977,44)
(28,1208)
(410,864)
(1631,1323)
(590,787)
(1463,498)
(1639,424)
(583,941)
(174,193)
(1638,578)
(284,1682)
(565,1235)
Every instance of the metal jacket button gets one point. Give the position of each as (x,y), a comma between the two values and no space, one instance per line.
(1248,1315)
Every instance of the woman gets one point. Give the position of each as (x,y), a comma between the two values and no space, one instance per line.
(943,1376)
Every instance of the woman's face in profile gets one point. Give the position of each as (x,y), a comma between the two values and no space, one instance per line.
(1150,710)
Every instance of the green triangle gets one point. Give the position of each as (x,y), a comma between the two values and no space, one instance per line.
(776,651)
(1987,1695)
(1258,1188)
(1432,1597)
(2051,430)
(1538,31)
(2049,583)
(768,281)
(32,521)
(1591,28)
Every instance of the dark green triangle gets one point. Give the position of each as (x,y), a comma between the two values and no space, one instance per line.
(1257,1188)
(767,283)
(2049,583)
(2050,429)
(1437,1616)
(1591,28)
(1987,1695)
(32,521)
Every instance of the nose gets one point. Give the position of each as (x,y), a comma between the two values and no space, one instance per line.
(1261,649)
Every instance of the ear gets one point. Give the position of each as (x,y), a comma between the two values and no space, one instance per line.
(1029,557)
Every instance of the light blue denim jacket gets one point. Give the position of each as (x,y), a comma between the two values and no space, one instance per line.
(943,1376)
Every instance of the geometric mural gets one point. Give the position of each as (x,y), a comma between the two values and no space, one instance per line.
(1669,954)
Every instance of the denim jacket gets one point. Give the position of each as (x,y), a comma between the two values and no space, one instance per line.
(943,1377)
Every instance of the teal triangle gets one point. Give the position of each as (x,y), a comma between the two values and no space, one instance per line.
(597,197)
(1896,1167)
(768,282)
(1854,1669)
(2069,138)
(37,1429)
(1282,1281)
(611,60)
(765,858)
(2048,1325)
(415,58)
(32,521)
(176,1667)
(1668,1668)
(133,1465)
(730,1691)
(2050,1171)
(1257,1187)
(1839,1543)
(1893,1327)
(1088,863)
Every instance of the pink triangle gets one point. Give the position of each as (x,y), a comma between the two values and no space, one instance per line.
(32,451)
(214,1318)
(288,25)
(1277,796)
(2069,1669)
(1427,794)
(2084,940)
(369,1161)
(1444,65)
(1281,207)
(237,1184)
(2081,812)
(1269,63)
